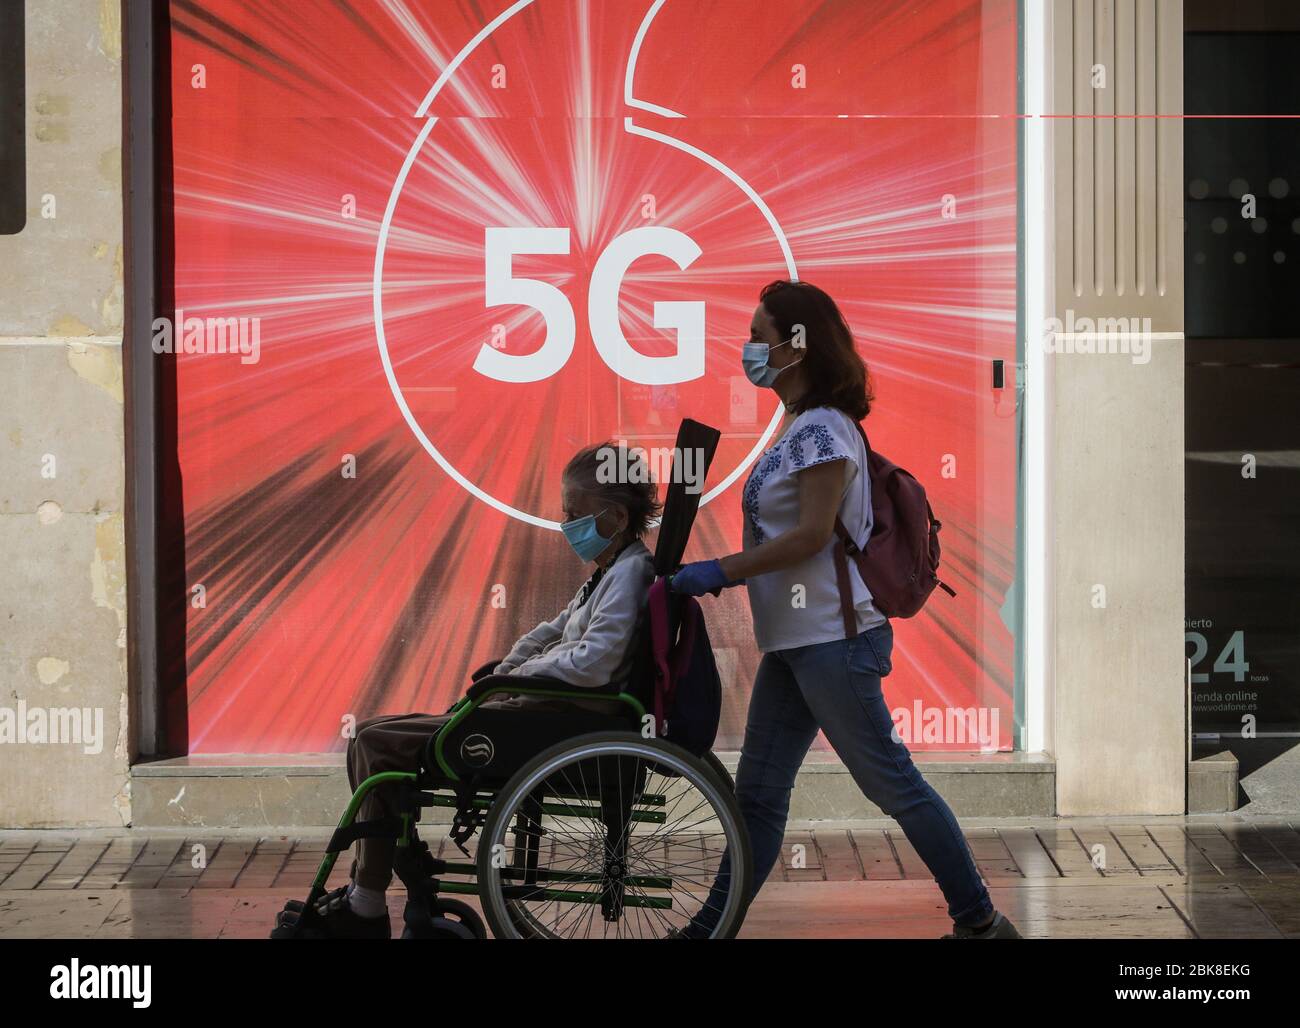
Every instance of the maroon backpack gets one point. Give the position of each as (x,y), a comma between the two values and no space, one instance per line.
(687,695)
(900,562)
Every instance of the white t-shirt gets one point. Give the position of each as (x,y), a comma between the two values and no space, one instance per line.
(784,615)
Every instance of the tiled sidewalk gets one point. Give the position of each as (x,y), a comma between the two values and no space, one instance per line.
(1160,877)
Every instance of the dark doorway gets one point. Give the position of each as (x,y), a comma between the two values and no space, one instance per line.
(1242,180)
(13,119)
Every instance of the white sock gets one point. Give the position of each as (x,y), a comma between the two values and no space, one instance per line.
(367,902)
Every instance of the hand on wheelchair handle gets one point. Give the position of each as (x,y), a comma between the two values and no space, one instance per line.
(698,578)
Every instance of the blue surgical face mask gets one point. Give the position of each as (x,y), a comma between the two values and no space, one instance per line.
(581,532)
(754,357)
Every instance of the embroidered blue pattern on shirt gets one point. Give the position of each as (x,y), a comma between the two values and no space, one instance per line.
(749,500)
(821,436)
(825,446)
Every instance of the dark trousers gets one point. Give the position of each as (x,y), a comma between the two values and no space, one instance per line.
(389,743)
(835,686)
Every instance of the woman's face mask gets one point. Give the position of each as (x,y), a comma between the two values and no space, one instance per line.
(581,532)
(757,370)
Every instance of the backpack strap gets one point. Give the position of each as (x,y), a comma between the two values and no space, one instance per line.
(866,444)
(671,660)
(846,547)
(659,644)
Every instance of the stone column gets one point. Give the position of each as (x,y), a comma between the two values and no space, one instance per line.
(1115,456)
(62,569)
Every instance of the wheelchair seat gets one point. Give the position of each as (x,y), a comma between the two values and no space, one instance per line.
(492,742)
(488,742)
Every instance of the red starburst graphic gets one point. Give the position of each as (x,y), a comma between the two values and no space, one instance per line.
(339,169)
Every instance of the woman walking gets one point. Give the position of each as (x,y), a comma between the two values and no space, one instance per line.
(811,677)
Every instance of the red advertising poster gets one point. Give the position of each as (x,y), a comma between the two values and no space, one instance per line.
(456,242)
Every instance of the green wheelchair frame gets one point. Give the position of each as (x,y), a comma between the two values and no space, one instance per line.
(428,913)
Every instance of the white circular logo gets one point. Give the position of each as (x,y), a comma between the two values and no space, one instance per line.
(502,287)
(477,750)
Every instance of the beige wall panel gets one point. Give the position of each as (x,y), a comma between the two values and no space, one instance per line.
(62,560)
(1116,450)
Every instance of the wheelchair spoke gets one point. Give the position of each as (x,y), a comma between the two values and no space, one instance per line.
(616,839)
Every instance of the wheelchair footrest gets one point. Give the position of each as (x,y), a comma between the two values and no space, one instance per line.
(384,827)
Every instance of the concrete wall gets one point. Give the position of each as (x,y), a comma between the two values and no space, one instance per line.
(62,569)
(1115,209)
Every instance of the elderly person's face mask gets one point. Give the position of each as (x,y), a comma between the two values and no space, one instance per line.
(583,536)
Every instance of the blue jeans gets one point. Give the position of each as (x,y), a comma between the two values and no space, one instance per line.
(835,686)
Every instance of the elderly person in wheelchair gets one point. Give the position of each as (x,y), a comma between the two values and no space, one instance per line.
(591,826)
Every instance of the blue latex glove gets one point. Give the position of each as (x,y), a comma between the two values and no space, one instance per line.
(703,576)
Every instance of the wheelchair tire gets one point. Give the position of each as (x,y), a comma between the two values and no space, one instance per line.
(720,769)
(612,824)
(442,928)
(452,912)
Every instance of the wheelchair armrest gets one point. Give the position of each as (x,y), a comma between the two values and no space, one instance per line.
(531,683)
(486,669)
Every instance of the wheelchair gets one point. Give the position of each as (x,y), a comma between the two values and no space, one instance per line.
(587,828)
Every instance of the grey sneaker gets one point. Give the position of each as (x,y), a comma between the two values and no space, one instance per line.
(999,928)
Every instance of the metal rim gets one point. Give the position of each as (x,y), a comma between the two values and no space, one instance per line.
(656,894)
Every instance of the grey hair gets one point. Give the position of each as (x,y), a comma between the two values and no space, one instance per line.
(630,486)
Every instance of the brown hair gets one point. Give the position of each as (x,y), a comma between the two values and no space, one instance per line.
(836,374)
(630,485)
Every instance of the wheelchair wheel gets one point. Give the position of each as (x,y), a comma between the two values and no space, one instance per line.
(530,928)
(610,835)
(441,928)
(453,919)
(521,917)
